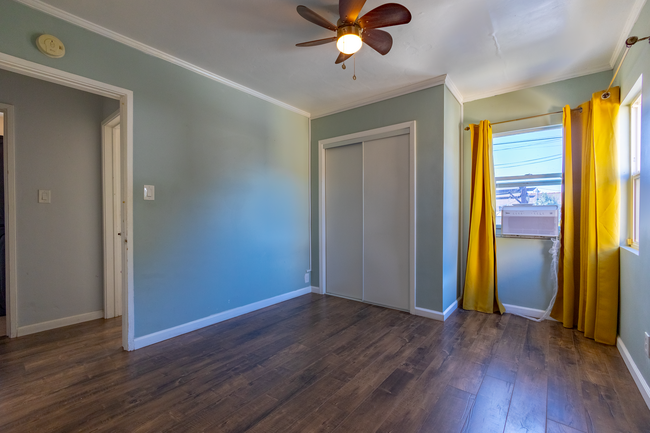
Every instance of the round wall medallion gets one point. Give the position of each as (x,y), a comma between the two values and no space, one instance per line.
(51,46)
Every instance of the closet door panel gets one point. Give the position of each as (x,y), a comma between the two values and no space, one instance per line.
(344,221)
(386,221)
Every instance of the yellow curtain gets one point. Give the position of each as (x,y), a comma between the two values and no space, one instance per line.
(565,308)
(480,292)
(590,261)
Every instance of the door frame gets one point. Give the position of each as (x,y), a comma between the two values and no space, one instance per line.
(111,217)
(125,96)
(373,134)
(10,219)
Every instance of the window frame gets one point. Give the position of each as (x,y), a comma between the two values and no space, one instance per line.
(550,179)
(635,169)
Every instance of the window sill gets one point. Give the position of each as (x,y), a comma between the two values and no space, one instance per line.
(630,249)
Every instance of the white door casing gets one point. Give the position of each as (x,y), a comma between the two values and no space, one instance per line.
(11,267)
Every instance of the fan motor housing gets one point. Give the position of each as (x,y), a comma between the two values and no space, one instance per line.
(352,29)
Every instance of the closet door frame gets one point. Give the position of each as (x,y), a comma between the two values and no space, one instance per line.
(364,136)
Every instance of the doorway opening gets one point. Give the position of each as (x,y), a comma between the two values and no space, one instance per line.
(60,212)
(125,98)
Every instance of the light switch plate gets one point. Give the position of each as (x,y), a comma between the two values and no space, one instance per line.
(647,344)
(149,192)
(44,196)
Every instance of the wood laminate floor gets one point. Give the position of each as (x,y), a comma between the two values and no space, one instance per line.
(322,364)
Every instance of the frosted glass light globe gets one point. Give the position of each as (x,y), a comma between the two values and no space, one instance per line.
(349,44)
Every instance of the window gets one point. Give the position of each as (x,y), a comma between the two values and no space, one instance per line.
(528,167)
(635,169)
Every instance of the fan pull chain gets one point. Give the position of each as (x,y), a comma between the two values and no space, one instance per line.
(354,77)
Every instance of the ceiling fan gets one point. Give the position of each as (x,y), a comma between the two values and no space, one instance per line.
(352,31)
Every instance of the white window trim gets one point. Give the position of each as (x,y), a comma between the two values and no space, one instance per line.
(635,166)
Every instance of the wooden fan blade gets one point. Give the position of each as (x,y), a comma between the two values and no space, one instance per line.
(313,17)
(343,57)
(317,42)
(390,14)
(378,40)
(349,9)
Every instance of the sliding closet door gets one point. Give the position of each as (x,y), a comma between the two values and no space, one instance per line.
(344,220)
(386,188)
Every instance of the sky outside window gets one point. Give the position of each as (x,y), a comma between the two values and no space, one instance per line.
(536,152)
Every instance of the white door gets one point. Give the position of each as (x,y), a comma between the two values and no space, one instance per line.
(344,220)
(117,220)
(367,220)
(386,229)
(113,216)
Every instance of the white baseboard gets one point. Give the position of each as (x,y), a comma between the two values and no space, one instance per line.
(634,371)
(451,309)
(59,323)
(316,290)
(523,311)
(436,315)
(166,334)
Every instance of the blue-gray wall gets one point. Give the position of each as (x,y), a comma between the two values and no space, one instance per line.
(427,108)
(229,225)
(523,265)
(635,287)
(451,200)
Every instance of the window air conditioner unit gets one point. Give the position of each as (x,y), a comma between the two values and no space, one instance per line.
(529,221)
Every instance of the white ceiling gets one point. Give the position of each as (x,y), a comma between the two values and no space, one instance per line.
(486,47)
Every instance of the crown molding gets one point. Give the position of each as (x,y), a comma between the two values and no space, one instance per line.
(454,90)
(432,82)
(95,28)
(627,29)
(534,83)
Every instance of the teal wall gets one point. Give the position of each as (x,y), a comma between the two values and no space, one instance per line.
(451,200)
(229,225)
(635,289)
(523,265)
(426,107)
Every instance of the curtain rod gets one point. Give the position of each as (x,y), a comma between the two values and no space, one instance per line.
(529,117)
(628,44)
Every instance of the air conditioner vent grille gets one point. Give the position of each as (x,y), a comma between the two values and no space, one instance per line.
(530,221)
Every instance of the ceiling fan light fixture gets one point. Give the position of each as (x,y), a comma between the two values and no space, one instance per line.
(353,31)
(349,39)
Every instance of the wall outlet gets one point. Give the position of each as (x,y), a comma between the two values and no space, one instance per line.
(307,278)
(647,345)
